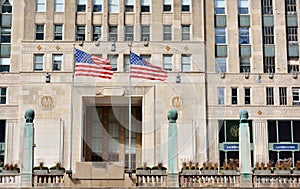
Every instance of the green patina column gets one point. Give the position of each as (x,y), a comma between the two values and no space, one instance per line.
(28,141)
(172,149)
(245,151)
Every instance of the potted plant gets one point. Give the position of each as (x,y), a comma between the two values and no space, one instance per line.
(57,169)
(232,167)
(144,170)
(41,169)
(296,170)
(11,168)
(283,166)
(209,169)
(159,169)
(261,169)
(191,169)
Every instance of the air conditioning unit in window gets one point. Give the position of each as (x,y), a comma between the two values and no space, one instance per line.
(291,13)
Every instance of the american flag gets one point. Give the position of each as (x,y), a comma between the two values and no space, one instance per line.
(90,65)
(141,68)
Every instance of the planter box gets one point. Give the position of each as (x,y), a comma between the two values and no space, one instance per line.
(40,172)
(209,172)
(229,172)
(56,172)
(143,172)
(282,172)
(296,172)
(158,172)
(190,172)
(262,172)
(13,172)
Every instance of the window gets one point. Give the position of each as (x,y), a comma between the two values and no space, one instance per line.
(221,65)
(59,5)
(247,95)
(145,5)
(267,7)
(2,95)
(5,50)
(268,33)
(38,62)
(81,5)
(185,63)
(39,32)
(269,64)
(270,95)
(40,5)
(80,35)
(113,61)
(6,20)
(113,6)
(6,7)
(293,68)
(113,33)
(167,5)
(97,5)
(244,64)
(97,33)
(126,63)
(296,96)
(57,61)
(291,6)
(185,5)
(129,5)
(220,6)
(145,33)
(167,62)
(221,95)
(167,32)
(292,34)
(243,6)
(185,33)
(58,33)
(282,96)
(234,96)
(244,36)
(129,33)
(220,37)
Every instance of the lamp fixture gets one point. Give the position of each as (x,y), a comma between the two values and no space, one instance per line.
(246,73)
(222,75)
(146,41)
(178,79)
(113,44)
(258,78)
(295,74)
(271,74)
(96,41)
(48,78)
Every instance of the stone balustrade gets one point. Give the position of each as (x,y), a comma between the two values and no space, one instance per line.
(151,178)
(9,179)
(45,178)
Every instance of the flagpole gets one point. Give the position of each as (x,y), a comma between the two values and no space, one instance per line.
(129,113)
(71,110)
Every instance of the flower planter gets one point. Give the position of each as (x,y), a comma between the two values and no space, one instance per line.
(190,172)
(158,172)
(209,172)
(40,172)
(143,172)
(10,171)
(296,172)
(282,172)
(262,172)
(229,172)
(57,172)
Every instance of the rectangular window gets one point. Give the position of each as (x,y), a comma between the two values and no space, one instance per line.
(244,37)
(269,64)
(244,64)
(38,62)
(129,35)
(185,63)
(5,35)
(97,33)
(270,95)
(268,33)
(234,96)
(58,32)
(267,6)
(291,6)
(167,62)
(3,95)
(145,5)
(220,35)
(59,6)
(6,20)
(292,34)
(220,65)
(80,33)
(7,7)
(185,32)
(113,6)
(145,33)
(221,95)
(282,96)
(81,5)
(247,95)
(167,32)
(57,62)
(5,50)
(296,96)
(220,6)
(243,6)
(113,61)
(129,5)
(39,32)
(113,33)
(40,5)
(185,5)
(167,5)
(97,5)
(126,63)
(293,68)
